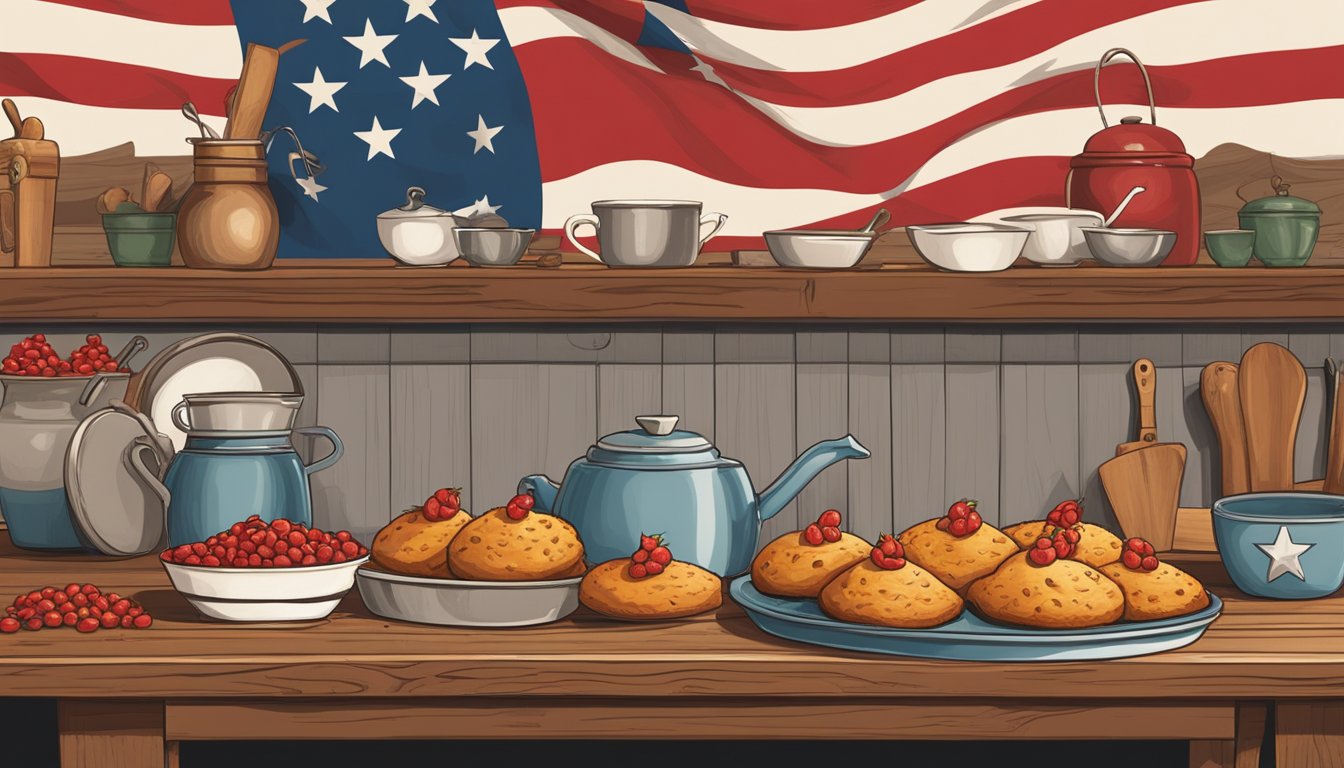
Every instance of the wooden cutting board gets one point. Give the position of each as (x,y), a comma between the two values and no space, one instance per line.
(1271,388)
(1218,388)
(1144,487)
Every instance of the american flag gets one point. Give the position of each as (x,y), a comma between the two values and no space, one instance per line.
(779,113)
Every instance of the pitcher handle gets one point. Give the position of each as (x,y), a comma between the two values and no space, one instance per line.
(573,223)
(135,457)
(717,219)
(337,448)
(177,415)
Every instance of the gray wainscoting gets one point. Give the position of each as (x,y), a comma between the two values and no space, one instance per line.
(1017,417)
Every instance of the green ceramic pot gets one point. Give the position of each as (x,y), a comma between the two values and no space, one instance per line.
(140,239)
(1285,227)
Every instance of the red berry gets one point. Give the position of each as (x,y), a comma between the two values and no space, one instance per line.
(1072,536)
(33,624)
(1131,559)
(648,543)
(890,546)
(142,621)
(9,626)
(957,527)
(524,501)
(812,534)
(431,509)
(52,618)
(283,561)
(1042,555)
(830,517)
(942,523)
(959,510)
(127,622)
(640,556)
(69,619)
(86,625)
(973,519)
(660,555)
(653,568)
(1134,544)
(1149,563)
(830,533)
(638,571)
(515,512)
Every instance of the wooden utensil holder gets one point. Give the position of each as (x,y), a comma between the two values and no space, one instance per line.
(28,197)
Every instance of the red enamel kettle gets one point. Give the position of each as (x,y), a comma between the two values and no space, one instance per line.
(1132,154)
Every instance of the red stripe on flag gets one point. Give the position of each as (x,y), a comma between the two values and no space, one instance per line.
(623,18)
(86,81)
(203,13)
(795,14)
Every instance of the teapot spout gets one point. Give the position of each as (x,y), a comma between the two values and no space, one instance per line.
(543,490)
(807,466)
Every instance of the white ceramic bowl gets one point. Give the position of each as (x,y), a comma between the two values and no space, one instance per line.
(1056,239)
(969,246)
(304,593)
(818,249)
(420,241)
(1129,247)
(460,603)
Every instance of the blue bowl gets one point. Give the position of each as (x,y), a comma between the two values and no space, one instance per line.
(1288,546)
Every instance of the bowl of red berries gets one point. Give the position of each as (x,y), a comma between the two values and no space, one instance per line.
(266,570)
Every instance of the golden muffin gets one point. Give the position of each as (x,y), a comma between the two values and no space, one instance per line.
(537,547)
(416,546)
(790,566)
(1162,593)
(1065,594)
(953,560)
(906,597)
(1096,545)
(680,590)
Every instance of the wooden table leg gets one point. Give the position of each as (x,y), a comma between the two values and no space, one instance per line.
(1241,752)
(1309,734)
(111,733)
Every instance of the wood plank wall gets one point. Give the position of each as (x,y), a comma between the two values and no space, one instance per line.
(1017,417)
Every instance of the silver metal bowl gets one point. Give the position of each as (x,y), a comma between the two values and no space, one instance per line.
(492,246)
(237,411)
(461,603)
(1129,247)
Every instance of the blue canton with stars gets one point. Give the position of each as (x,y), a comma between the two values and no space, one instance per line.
(390,94)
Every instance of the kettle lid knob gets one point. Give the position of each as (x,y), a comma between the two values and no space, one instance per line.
(658,425)
(1131,120)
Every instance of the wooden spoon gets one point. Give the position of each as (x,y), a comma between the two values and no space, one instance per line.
(12,112)
(158,193)
(1145,383)
(111,198)
(1218,388)
(1272,387)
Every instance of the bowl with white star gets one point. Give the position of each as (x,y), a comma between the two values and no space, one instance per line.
(1288,546)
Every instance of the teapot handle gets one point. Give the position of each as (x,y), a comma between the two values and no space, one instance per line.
(1096,83)
(337,448)
(178,414)
(135,457)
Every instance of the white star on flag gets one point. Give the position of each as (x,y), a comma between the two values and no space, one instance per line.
(379,139)
(481,207)
(476,47)
(1283,555)
(310,186)
(316,9)
(371,45)
(424,85)
(416,8)
(320,92)
(484,135)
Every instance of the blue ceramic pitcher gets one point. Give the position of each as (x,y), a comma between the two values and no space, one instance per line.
(220,478)
(658,479)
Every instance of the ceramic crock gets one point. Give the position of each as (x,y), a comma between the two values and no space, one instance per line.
(658,479)
(1134,154)
(220,478)
(228,218)
(1285,226)
(38,416)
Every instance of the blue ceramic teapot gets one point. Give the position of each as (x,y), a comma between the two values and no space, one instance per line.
(658,479)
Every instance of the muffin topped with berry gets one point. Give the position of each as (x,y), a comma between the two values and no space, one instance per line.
(1045,587)
(514,543)
(416,542)
(1096,545)
(650,584)
(1154,589)
(888,590)
(799,564)
(959,547)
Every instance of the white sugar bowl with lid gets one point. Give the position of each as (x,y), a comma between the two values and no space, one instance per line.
(417,234)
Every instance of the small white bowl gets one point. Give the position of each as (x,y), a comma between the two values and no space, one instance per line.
(461,603)
(969,246)
(818,249)
(1129,247)
(1056,239)
(302,593)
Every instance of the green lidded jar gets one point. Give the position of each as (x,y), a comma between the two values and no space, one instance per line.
(1285,226)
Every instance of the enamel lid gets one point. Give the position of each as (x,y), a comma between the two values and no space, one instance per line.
(110,505)
(657,443)
(1281,202)
(415,207)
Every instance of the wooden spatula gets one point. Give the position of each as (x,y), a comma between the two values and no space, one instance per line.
(1144,487)
(1218,388)
(1271,387)
(253,94)
(1145,383)
(1334,447)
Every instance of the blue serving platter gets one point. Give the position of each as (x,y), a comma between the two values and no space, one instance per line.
(969,637)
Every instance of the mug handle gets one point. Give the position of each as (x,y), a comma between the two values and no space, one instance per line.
(717,219)
(337,448)
(576,221)
(135,457)
(178,414)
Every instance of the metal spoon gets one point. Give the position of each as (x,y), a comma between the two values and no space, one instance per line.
(1119,209)
(879,218)
(189,110)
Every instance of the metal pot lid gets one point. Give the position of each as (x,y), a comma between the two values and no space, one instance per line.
(110,505)
(415,207)
(1281,202)
(656,435)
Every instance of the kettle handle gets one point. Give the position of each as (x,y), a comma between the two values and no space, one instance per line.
(1096,83)
(337,448)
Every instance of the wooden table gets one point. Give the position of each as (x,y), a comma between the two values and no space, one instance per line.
(128,697)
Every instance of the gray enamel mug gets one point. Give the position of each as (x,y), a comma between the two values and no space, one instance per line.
(646,233)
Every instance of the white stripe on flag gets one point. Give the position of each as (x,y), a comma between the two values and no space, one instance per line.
(80,130)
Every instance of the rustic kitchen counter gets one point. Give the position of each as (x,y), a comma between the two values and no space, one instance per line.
(135,694)
(377,291)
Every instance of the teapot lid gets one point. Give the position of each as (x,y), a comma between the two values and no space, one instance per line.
(1281,201)
(414,208)
(657,434)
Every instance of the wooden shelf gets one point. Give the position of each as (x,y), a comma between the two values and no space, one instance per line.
(376,291)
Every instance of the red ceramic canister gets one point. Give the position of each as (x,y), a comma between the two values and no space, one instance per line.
(1120,157)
